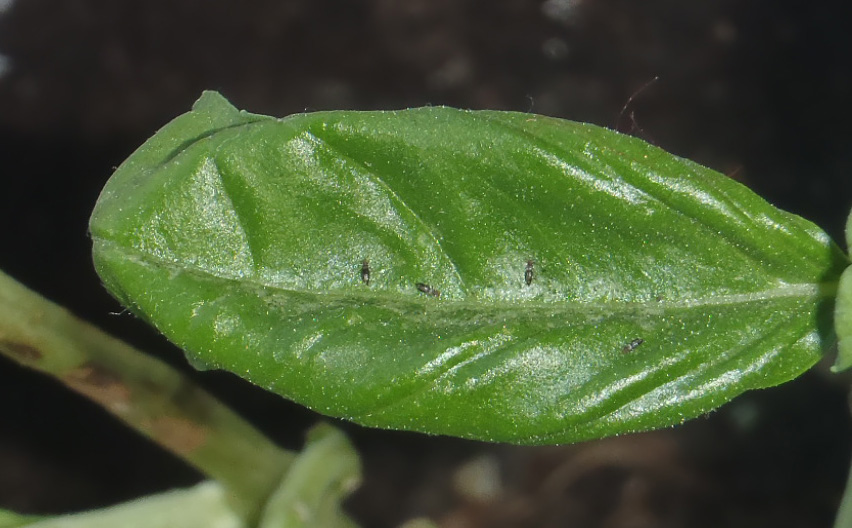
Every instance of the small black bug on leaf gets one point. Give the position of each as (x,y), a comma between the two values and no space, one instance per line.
(529,272)
(631,346)
(428,290)
(365,272)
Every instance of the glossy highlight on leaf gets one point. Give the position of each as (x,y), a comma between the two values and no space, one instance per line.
(483,274)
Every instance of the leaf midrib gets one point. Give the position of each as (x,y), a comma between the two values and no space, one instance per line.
(803,291)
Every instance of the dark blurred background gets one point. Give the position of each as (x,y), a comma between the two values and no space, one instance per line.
(758,90)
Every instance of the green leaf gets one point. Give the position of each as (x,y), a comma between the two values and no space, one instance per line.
(10,519)
(590,284)
(843,312)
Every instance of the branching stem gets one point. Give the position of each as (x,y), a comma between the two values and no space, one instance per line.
(145,393)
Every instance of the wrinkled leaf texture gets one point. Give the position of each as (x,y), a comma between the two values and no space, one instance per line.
(243,239)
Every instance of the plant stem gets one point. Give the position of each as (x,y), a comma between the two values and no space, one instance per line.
(147,394)
(844,512)
(201,506)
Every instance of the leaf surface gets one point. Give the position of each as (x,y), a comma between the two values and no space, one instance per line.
(843,312)
(590,284)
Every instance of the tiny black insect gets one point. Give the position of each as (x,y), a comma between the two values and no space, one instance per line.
(529,272)
(365,272)
(428,290)
(631,346)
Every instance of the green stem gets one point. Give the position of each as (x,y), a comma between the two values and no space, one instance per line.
(201,506)
(844,513)
(145,393)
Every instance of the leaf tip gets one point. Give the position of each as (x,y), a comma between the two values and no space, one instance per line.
(844,355)
(213,102)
